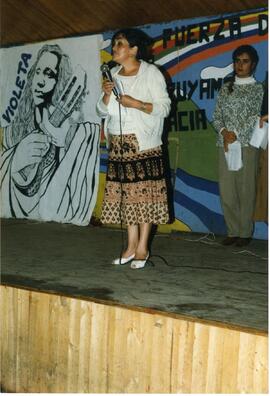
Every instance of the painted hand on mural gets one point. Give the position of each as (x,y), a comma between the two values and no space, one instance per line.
(30,150)
(56,135)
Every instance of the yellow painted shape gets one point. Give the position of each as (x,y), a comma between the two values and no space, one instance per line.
(105,56)
(177,225)
(100,194)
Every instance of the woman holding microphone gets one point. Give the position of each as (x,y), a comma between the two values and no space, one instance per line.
(135,191)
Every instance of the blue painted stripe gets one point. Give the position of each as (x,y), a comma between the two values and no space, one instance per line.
(103,161)
(103,169)
(213,221)
(209,200)
(260,230)
(198,182)
(189,218)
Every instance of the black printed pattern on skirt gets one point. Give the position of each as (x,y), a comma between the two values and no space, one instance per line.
(135,190)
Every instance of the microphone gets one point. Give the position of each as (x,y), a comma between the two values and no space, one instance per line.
(107,75)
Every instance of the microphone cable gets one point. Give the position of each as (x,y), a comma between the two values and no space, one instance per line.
(107,75)
(121,174)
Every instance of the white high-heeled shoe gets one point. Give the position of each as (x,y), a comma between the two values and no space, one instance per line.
(139,264)
(123,260)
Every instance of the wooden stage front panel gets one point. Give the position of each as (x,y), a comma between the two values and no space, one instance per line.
(52,343)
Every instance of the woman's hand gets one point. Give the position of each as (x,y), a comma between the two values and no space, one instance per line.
(128,101)
(107,87)
(228,138)
(263,119)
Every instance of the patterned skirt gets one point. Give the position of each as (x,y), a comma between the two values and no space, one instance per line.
(135,191)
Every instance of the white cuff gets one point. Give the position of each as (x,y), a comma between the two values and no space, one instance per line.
(102,108)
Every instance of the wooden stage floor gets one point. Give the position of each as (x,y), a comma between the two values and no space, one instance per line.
(200,279)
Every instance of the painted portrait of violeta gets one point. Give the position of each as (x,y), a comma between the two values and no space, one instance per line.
(50,149)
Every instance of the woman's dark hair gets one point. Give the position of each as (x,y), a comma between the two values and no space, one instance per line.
(252,53)
(136,37)
(248,49)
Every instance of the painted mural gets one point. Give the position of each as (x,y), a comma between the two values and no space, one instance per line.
(50,130)
(195,56)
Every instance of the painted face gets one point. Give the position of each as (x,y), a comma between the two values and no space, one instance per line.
(121,49)
(243,65)
(45,78)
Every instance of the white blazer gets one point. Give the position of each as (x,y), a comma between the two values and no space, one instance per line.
(149,86)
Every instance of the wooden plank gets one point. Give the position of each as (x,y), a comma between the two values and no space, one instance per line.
(33,342)
(215,361)
(22,372)
(200,358)
(66,341)
(144,335)
(136,353)
(188,341)
(4,331)
(42,357)
(74,346)
(246,363)
(10,361)
(260,373)
(84,352)
(118,363)
(52,337)
(160,380)
(177,360)
(230,361)
(99,360)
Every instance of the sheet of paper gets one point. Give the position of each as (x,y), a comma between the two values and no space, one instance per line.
(259,136)
(234,156)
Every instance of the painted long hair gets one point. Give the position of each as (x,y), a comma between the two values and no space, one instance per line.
(24,121)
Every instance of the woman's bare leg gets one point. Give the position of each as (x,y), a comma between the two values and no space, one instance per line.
(133,240)
(142,247)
